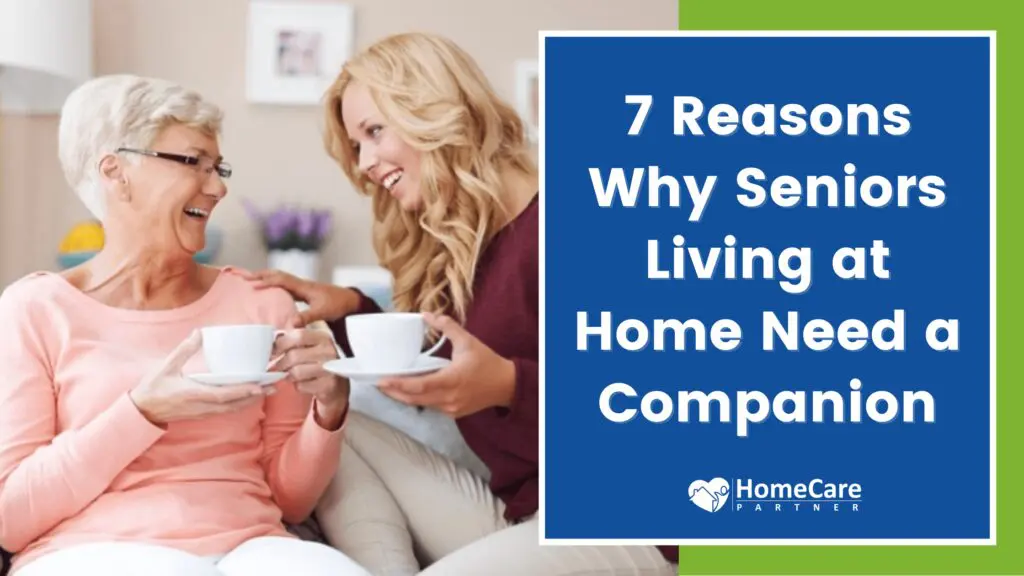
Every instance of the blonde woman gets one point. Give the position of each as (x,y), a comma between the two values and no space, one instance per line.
(416,126)
(112,460)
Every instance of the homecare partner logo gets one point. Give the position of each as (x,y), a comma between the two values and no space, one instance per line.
(816,495)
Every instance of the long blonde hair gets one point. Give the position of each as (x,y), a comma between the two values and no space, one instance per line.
(437,98)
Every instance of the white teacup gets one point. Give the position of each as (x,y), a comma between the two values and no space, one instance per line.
(238,348)
(388,341)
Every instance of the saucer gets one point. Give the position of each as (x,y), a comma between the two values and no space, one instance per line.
(349,368)
(261,378)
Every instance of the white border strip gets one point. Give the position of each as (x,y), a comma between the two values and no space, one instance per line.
(542,337)
(991,35)
(992,284)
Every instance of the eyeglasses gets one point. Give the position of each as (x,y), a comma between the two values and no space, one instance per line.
(204,163)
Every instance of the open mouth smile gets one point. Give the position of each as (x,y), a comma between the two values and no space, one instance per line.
(197,213)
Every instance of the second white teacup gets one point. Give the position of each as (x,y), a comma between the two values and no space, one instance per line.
(238,348)
(388,341)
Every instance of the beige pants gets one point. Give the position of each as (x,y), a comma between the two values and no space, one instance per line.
(396,505)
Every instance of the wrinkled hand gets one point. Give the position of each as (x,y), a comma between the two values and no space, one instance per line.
(166,395)
(477,378)
(303,353)
(326,301)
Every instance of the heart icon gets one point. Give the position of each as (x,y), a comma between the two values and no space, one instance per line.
(709,495)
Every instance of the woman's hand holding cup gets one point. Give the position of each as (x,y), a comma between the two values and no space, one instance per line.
(166,395)
(302,353)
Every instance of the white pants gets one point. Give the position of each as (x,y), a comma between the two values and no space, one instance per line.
(268,556)
(396,506)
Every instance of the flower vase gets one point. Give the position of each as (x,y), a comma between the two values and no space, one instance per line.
(299,263)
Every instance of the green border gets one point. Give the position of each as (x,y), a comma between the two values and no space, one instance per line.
(1007,557)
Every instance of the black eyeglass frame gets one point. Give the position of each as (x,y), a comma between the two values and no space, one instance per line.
(224,170)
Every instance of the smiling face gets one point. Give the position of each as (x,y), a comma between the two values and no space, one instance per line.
(166,202)
(384,157)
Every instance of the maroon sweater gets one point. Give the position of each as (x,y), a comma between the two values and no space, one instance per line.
(503,314)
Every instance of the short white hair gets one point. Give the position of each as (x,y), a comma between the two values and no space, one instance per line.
(115,111)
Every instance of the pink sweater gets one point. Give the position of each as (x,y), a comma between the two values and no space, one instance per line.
(79,463)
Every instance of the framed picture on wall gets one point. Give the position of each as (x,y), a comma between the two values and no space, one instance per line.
(528,96)
(296,49)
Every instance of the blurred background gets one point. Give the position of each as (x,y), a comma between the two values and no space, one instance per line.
(264,62)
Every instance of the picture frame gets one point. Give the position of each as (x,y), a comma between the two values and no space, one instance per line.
(528,96)
(296,49)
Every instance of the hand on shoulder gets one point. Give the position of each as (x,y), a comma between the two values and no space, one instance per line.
(325,301)
(275,306)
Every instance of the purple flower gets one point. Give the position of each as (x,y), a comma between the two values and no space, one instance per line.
(277,227)
(306,224)
(323,225)
(290,228)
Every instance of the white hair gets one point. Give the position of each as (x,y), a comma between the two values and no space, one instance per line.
(109,112)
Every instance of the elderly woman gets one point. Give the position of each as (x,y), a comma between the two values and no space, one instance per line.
(112,461)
